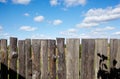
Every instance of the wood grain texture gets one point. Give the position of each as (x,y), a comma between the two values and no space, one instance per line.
(52,58)
(87,61)
(101,47)
(115,53)
(4,59)
(21,58)
(0,58)
(28,59)
(35,59)
(61,58)
(13,58)
(44,59)
(72,58)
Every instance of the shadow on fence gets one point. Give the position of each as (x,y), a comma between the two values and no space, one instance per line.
(104,73)
(12,74)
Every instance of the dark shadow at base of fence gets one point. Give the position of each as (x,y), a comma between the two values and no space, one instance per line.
(4,72)
(103,72)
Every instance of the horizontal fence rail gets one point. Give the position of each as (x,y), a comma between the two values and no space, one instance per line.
(60,59)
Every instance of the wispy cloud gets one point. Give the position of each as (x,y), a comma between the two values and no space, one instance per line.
(94,17)
(3,1)
(39,18)
(108,28)
(117,33)
(53,2)
(68,3)
(1,28)
(69,32)
(40,36)
(28,28)
(57,22)
(24,2)
(4,35)
(26,14)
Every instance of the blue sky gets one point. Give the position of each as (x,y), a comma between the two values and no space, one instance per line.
(59,18)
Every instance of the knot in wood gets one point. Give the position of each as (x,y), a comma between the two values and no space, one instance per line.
(14,55)
(35,74)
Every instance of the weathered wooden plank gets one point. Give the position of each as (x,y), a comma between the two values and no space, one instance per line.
(0,58)
(101,49)
(114,53)
(44,59)
(35,59)
(72,58)
(28,59)
(61,58)
(87,61)
(0,44)
(4,59)
(13,58)
(21,58)
(52,58)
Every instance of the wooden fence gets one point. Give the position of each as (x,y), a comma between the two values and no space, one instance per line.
(53,59)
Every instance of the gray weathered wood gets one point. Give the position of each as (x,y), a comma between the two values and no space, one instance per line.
(21,58)
(0,58)
(4,59)
(35,59)
(0,44)
(87,61)
(13,58)
(114,53)
(28,59)
(52,58)
(101,47)
(72,58)
(44,59)
(61,58)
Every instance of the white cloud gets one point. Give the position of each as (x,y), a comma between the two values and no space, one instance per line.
(69,32)
(57,22)
(28,28)
(94,17)
(40,36)
(117,33)
(67,3)
(53,2)
(3,1)
(72,30)
(4,35)
(39,18)
(24,2)
(1,28)
(26,14)
(70,3)
(83,35)
(104,29)
(86,25)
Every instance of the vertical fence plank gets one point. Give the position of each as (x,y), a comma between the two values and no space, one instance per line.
(4,59)
(101,48)
(13,58)
(87,61)
(28,59)
(44,59)
(0,59)
(52,58)
(21,58)
(72,58)
(114,53)
(118,56)
(115,59)
(35,59)
(61,58)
